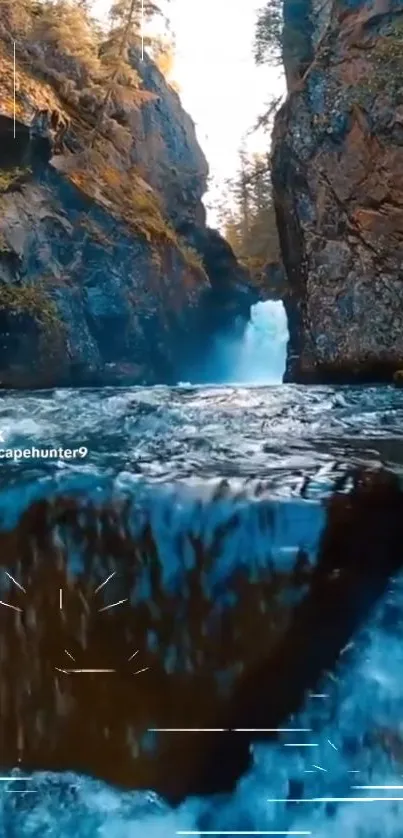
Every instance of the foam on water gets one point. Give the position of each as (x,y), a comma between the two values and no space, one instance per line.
(144,443)
(262,355)
(256,355)
(360,705)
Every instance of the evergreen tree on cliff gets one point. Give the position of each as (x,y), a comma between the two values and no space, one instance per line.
(66,27)
(127,19)
(15,16)
(248,216)
(269,33)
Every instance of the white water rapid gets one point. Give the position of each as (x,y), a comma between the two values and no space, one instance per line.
(261,355)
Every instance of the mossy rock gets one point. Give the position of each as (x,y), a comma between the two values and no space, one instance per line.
(12,178)
(398,378)
(130,198)
(32,338)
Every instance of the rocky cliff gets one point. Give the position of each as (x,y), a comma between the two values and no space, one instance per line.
(337,174)
(98,281)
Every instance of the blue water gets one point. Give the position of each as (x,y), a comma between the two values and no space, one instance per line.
(186,459)
(261,356)
(363,696)
(258,356)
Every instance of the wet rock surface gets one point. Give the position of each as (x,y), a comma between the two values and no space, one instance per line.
(337,164)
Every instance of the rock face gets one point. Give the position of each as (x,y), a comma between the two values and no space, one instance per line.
(273,283)
(98,283)
(338,183)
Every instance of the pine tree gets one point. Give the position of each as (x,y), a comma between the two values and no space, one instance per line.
(120,9)
(248,216)
(233,233)
(15,17)
(115,55)
(284,34)
(127,18)
(269,33)
(242,192)
(127,23)
(65,26)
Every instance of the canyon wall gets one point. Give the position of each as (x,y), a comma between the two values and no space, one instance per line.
(337,177)
(104,248)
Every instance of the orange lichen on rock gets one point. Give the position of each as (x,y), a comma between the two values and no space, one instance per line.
(127,196)
(31,93)
(103,169)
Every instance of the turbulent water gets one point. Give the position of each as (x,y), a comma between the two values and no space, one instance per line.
(258,356)
(265,338)
(201,452)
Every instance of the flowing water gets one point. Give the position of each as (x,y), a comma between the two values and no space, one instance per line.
(190,456)
(266,337)
(258,357)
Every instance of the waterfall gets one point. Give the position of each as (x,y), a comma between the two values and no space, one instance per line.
(254,356)
(261,355)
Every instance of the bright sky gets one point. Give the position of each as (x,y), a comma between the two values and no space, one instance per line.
(220,85)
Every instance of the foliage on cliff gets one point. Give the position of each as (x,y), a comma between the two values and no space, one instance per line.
(248,217)
(269,33)
(98,91)
(89,66)
(284,32)
(30,328)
